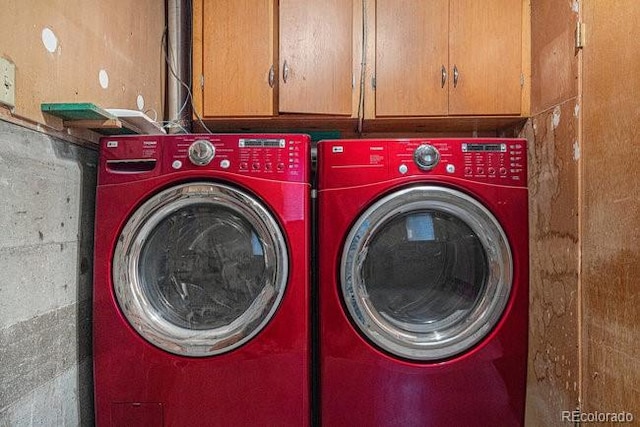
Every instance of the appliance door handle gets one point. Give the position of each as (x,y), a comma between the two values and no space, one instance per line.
(456,75)
(443,74)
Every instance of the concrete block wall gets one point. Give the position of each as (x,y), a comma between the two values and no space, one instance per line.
(47,193)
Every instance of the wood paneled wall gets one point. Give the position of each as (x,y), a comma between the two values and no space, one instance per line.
(553,374)
(585,211)
(611,208)
(105,52)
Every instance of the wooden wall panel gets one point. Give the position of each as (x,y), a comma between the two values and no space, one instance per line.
(121,37)
(611,208)
(553,384)
(553,371)
(554,63)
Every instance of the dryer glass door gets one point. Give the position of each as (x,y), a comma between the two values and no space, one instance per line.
(199,269)
(426,272)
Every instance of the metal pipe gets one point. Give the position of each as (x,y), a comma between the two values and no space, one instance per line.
(178,63)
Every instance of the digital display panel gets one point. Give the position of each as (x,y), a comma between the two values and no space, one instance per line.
(261,142)
(484,148)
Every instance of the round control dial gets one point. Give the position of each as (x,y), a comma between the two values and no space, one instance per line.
(426,157)
(201,152)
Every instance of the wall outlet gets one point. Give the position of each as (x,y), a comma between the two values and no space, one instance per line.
(7,83)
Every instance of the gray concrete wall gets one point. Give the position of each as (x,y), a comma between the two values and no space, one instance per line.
(47,192)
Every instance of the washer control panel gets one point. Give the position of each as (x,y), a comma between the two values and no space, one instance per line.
(271,156)
(284,157)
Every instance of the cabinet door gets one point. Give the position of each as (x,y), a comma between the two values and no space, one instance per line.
(485,46)
(316,56)
(238,41)
(411,56)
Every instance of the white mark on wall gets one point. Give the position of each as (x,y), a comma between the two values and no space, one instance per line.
(49,40)
(576,151)
(140,102)
(556,117)
(103,77)
(576,111)
(575,6)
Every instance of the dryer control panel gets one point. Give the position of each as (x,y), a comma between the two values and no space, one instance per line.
(499,161)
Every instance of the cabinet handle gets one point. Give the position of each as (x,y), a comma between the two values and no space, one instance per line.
(456,75)
(285,71)
(272,76)
(443,72)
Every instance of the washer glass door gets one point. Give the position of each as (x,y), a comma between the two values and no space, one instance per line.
(426,272)
(199,269)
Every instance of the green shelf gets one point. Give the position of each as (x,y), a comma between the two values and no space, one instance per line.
(87,116)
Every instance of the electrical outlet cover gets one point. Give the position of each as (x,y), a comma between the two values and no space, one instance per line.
(7,83)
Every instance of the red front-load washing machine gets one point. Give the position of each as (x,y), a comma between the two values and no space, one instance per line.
(423,282)
(201,298)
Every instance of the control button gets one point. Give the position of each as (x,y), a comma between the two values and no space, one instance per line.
(492,171)
(503,171)
(255,166)
(451,168)
(426,157)
(403,169)
(244,165)
(224,164)
(480,171)
(177,164)
(468,171)
(280,166)
(201,152)
(267,166)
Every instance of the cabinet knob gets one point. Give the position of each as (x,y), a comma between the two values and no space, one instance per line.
(443,72)
(272,76)
(285,71)
(456,75)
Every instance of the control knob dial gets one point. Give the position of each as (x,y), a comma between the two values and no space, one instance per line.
(426,156)
(201,152)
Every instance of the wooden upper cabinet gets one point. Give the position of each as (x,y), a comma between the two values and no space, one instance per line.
(238,42)
(429,58)
(448,57)
(485,47)
(316,38)
(412,38)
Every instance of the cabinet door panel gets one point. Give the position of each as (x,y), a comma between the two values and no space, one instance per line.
(411,49)
(485,45)
(238,42)
(316,55)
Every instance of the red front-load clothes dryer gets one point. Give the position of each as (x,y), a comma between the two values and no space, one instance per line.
(201,298)
(423,282)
